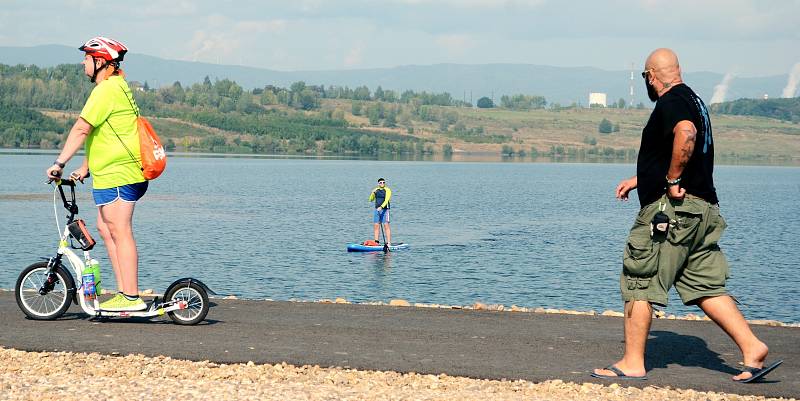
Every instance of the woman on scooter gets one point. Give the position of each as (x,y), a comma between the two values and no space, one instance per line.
(107,125)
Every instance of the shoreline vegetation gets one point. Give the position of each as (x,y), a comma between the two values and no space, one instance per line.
(480,306)
(39,105)
(66,377)
(460,157)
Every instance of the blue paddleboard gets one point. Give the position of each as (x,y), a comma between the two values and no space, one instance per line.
(374,248)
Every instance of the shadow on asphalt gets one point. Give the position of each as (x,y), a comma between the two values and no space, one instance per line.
(666,348)
(147,320)
(138,320)
(121,320)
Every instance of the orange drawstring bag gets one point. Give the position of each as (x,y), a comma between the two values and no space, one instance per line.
(152,157)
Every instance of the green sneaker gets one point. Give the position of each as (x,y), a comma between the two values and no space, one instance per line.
(119,303)
(112,299)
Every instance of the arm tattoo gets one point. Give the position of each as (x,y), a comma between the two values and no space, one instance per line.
(688,146)
(682,147)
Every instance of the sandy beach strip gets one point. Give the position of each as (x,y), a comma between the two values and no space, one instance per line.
(80,376)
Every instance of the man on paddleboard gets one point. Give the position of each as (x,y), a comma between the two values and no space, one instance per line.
(381,196)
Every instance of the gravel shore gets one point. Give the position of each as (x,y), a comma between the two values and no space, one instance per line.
(78,376)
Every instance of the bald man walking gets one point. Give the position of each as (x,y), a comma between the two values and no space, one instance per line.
(674,239)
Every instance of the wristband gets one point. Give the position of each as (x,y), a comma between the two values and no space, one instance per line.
(674,182)
(59,164)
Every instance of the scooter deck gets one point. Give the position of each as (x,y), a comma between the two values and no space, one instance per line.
(153,309)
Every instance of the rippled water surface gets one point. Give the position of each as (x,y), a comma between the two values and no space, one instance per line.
(530,234)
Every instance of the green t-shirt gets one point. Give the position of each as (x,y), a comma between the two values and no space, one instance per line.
(109,106)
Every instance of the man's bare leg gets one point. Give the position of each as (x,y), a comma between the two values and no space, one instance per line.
(723,311)
(638,316)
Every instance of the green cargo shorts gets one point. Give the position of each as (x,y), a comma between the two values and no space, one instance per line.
(689,258)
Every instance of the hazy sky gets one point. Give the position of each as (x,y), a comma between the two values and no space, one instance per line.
(743,37)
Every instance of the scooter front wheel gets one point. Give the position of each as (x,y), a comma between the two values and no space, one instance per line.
(40,299)
(196,299)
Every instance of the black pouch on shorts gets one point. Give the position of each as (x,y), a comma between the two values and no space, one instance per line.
(659,227)
(79,232)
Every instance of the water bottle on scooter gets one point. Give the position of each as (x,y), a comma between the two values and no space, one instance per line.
(91,280)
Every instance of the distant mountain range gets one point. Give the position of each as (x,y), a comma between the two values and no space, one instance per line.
(563,85)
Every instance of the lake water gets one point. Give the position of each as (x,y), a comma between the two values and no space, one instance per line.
(530,234)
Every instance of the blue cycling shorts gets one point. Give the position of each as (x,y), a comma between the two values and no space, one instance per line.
(380,217)
(128,193)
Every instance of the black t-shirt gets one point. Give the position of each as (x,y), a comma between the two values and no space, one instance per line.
(655,152)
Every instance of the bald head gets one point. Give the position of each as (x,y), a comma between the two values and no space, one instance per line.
(663,64)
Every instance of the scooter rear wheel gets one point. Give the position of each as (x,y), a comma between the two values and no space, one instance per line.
(54,302)
(196,299)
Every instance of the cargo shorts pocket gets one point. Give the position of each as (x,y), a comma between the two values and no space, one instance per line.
(716,226)
(637,283)
(687,218)
(640,258)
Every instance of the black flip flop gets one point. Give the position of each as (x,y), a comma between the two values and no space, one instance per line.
(758,373)
(619,374)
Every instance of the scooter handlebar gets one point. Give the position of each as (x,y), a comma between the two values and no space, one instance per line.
(67,182)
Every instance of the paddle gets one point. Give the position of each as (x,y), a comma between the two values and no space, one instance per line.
(383,235)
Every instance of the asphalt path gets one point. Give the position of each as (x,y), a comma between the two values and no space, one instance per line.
(480,344)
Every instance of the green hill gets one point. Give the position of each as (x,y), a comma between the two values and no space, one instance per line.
(38,105)
(781,109)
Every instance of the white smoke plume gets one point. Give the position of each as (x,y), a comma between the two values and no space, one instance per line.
(794,79)
(722,89)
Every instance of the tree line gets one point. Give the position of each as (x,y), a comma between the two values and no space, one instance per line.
(21,127)
(260,123)
(782,109)
(220,104)
(226,105)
